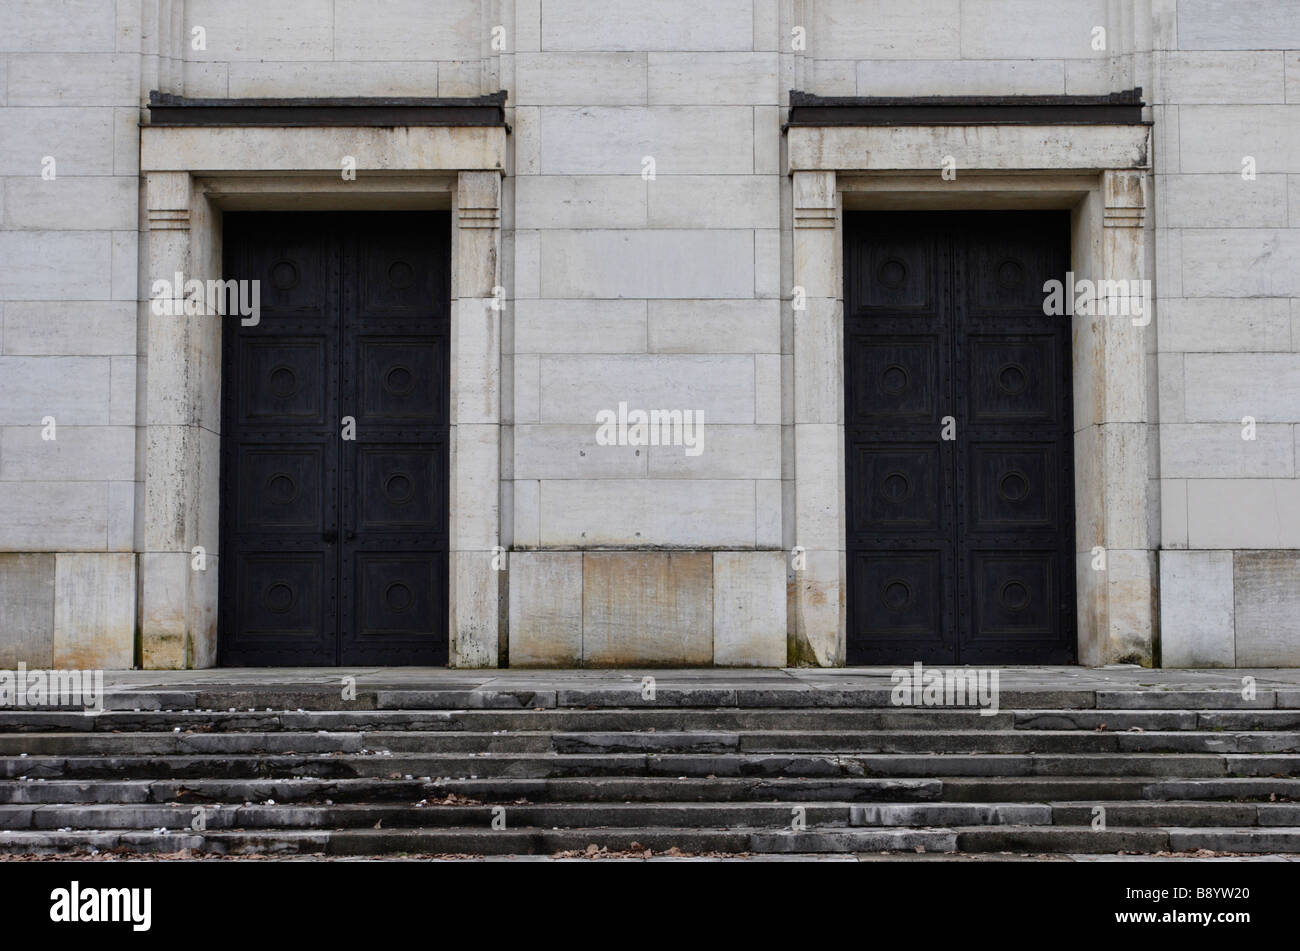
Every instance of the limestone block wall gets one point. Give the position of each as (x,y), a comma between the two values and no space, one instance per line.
(1228,207)
(646,201)
(69,372)
(646,259)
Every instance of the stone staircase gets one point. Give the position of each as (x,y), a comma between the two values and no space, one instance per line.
(298,770)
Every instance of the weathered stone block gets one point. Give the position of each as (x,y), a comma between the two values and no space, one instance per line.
(1225,201)
(714,326)
(164,610)
(581,326)
(1243,513)
(106,451)
(572,452)
(29,26)
(582,201)
(1131,578)
(818,362)
(713,78)
(212,80)
(819,602)
(819,490)
(1266,585)
(632,25)
(271,80)
(525,515)
(770,504)
(575,388)
(475,609)
(27,606)
(643,264)
(56,265)
(51,328)
(54,516)
(1224,387)
(74,390)
(1222,325)
(729,452)
(1217,451)
(674,513)
(878,29)
(1242,25)
(647,608)
(714,201)
(80,139)
(1196,611)
(749,609)
(474,503)
(94,610)
(1254,76)
(1216,138)
(527,386)
(1173,513)
(303,30)
(938,77)
(546,609)
(1228,262)
(77,79)
(613,140)
(81,204)
(574,79)
(475,364)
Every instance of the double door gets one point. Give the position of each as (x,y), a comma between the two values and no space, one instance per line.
(334,441)
(959,439)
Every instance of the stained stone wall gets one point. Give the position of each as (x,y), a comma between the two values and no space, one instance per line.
(1227,78)
(668,290)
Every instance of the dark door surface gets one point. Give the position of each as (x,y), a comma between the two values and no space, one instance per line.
(334,549)
(960,549)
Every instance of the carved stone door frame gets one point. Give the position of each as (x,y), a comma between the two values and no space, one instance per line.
(1099,173)
(191,174)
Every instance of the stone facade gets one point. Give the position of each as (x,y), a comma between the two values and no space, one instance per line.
(649,224)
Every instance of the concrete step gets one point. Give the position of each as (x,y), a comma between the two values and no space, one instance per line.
(1181,698)
(551,720)
(831,694)
(1081,839)
(498,790)
(907,719)
(430,814)
(1236,840)
(1116,814)
(519,841)
(644,788)
(1084,839)
(179,742)
(1061,788)
(822,769)
(556,765)
(425,813)
(535,840)
(1177,813)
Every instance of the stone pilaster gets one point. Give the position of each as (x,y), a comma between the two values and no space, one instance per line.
(180,425)
(818,566)
(477,572)
(1123,625)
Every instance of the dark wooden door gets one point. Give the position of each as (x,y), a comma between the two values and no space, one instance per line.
(334,441)
(960,549)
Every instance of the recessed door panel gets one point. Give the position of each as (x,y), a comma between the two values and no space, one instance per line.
(959,441)
(334,441)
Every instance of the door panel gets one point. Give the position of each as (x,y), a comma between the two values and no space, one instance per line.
(338,546)
(898,367)
(960,550)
